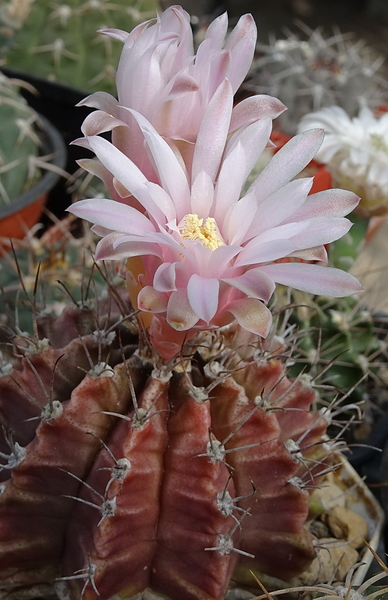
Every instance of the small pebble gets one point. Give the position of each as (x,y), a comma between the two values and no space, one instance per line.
(333,560)
(347,525)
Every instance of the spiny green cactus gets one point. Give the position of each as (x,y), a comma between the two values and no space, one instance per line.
(40,262)
(340,346)
(123,474)
(318,71)
(19,142)
(59,41)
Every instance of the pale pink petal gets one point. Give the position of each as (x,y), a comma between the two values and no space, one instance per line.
(220,259)
(213,132)
(102,101)
(119,165)
(150,300)
(162,200)
(315,279)
(254,108)
(95,167)
(108,249)
(167,275)
(252,315)
(287,163)
(317,253)
(253,284)
(82,142)
(112,215)
(117,34)
(99,122)
(241,42)
(172,177)
(219,68)
(101,231)
(165,242)
(182,84)
(305,234)
(229,184)
(203,296)
(180,315)
(149,81)
(329,203)
(277,208)
(254,139)
(260,253)
(320,230)
(217,31)
(202,194)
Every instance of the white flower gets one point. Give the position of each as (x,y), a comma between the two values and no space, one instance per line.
(356,152)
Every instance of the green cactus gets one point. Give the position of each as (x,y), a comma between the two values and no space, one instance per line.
(310,71)
(19,142)
(340,345)
(122,474)
(59,265)
(59,41)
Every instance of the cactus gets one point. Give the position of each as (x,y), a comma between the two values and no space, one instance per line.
(40,262)
(309,74)
(59,41)
(19,142)
(340,339)
(121,473)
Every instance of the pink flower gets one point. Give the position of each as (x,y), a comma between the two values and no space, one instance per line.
(211,251)
(160,77)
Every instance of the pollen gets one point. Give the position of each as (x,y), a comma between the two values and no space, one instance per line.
(206,232)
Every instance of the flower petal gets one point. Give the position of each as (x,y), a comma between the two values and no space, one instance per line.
(229,184)
(203,296)
(100,121)
(102,101)
(254,108)
(119,165)
(180,315)
(172,176)
(112,215)
(109,249)
(150,300)
(260,253)
(254,138)
(316,279)
(252,315)
(329,203)
(166,276)
(254,283)
(241,42)
(213,132)
(202,194)
(287,163)
(275,209)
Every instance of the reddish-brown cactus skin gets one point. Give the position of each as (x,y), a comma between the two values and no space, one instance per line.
(122,547)
(109,507)
(34,511)
(190,521)
(276,528)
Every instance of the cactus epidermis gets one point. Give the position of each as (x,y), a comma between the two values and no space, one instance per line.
(122,475)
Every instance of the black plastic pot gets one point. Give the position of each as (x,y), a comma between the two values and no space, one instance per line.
(25,210)
(57,103)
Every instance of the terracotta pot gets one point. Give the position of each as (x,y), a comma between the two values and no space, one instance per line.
(322,177)
(24,211)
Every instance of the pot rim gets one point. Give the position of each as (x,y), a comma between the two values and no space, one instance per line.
(53,142)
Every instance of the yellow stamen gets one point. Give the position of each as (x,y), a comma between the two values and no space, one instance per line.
(193,228)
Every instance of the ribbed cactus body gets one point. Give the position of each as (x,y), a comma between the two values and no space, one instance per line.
(121,475)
